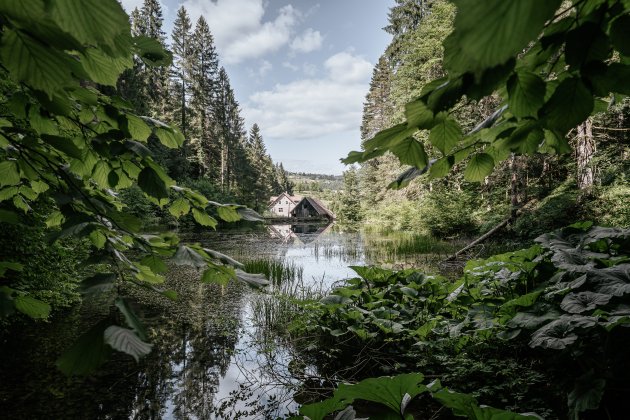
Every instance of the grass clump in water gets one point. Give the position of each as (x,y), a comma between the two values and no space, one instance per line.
(278,272)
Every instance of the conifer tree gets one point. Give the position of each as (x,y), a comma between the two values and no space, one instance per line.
(181,69)
(204,97)
(156,78)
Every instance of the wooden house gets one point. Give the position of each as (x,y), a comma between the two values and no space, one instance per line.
(310,207)
(283,204)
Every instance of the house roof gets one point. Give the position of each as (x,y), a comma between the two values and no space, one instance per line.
(318,206)
(294,198)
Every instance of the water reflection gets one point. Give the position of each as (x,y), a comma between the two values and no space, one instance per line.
(215,354)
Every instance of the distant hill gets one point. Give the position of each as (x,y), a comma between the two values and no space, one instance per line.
(308,182)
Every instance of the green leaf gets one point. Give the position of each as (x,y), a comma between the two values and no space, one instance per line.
(620,34)
(441,167)
(126,341)
(136,128)
(32,307)
(155,263)
(28,61)
(579,302)
(64,144)
(389,137)
(169,137)
(180,207)
(390,391)
(9,173)
(228,213)
(203,218)
(101,173)
(218,275)
(587,393)
(418,115)
(131,318)
(91,21)
(508,26)
(479,167)
(570,104)
(526,93)
(410,152)
(103,68)
(445,133)
(151,51)
(87,353)
(152,184)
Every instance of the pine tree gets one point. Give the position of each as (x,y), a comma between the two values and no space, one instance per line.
(350,206)
(262,173)
(204,101)
(283,181)
(131,84)
(378,110)
(156,78)
(181,69)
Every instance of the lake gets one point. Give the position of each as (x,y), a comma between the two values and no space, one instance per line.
(216,352)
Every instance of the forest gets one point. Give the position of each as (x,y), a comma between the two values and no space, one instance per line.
(494,135)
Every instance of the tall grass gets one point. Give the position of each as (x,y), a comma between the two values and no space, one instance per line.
(278,272)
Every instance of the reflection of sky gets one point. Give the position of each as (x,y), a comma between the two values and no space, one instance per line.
(324,259)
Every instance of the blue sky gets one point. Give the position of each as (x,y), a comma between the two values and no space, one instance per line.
(299,68)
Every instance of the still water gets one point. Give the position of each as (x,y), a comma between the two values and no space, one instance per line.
(213,353)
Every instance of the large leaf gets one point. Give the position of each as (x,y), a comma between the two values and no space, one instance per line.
(180,207)
(418,115)
(87,353)
(445,133)
(579,302)
(556,335)
(620,34)
(570,104)
(203,218)
(587,393)
(103,68)
(126,341)
(32,307)
(9,173)
(169,137)
(526,93)
(152,184)
(390,391)
(490,32)
(131,318)
(410,152)
(136,128)
(91,21)
(479,167)
(33,63)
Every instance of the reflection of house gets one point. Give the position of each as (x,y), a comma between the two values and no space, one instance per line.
(283,204)
(311,207)
(283,232)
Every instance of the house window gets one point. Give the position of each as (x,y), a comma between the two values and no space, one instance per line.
(280,210)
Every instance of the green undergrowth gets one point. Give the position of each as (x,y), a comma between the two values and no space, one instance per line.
(540,329)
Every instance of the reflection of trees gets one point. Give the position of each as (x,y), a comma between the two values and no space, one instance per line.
(193,349)
(193,339)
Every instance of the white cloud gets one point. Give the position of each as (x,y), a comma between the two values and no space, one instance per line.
(309,40)
(309,69)
(238,27)
(129,5)
(348,68)
(289,66)
(311,108)
(264,68)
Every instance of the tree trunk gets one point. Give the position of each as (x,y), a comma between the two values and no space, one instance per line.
(584,151)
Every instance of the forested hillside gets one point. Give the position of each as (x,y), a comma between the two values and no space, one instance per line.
(584,177)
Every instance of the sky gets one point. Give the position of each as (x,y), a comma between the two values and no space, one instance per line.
(300,69)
